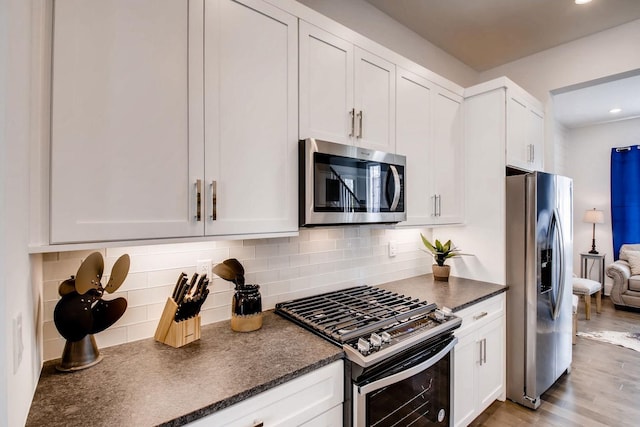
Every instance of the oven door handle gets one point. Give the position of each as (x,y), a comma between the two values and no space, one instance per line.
(407,373)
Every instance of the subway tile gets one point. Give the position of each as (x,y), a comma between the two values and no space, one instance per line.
(317,246)
(303,236)
(322,257)
(242,252)
(168,276)
(130,250)
(288,248)
(277,263)
(289,273)
(277,288)
(81,255)
(318,234)
(266,251)
(132,281)
(112,336)
(47,312)
(267,276)
(351,232)
(60,270)
(300,259)
(154,311)
(214,315)
(50,257)
(53,349)
(252,265)
(335,233)
(132,315)
(50,290)
(141,330)
(144,297)
(229,243)
(49,331)
(308,270)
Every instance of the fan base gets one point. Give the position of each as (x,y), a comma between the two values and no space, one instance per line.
(78,355)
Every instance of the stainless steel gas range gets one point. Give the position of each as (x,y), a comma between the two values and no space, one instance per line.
(399,370)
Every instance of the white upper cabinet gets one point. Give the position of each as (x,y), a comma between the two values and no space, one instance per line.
(448,162)
(173,119)
(347,94)
(413,140)
(525,131)
(124,153)
(251,118)
(429,133)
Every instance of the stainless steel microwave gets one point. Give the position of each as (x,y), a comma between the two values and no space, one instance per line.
(344,184)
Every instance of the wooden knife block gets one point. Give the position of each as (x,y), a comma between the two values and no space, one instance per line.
(176,334)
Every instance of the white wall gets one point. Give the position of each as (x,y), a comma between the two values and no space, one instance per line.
(18,292)
(365,19)
(590,150)
(318,260)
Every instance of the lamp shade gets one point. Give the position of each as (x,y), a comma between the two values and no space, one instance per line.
(594,216)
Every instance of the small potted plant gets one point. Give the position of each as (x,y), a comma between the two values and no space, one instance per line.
(441,252)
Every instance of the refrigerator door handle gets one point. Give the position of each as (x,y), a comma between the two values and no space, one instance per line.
(561,266)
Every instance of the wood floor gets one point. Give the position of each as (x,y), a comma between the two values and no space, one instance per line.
(603,388)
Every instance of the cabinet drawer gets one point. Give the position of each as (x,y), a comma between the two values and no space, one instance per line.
(293,403)
(481,313)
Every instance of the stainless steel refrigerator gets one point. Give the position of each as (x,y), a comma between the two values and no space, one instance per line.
(539,270)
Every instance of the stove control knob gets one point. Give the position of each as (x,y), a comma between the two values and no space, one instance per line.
(386,338)
(363,346)
(376,340)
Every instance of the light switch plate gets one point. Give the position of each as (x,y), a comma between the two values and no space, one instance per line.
(393,248)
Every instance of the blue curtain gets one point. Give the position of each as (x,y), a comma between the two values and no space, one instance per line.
(625,196)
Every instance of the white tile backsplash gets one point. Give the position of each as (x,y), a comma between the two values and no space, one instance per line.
(318,260)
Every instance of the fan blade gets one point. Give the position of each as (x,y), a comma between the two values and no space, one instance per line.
(90,273)
(118,273)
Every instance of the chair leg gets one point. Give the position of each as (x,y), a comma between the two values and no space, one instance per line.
(587,306)
(599,302)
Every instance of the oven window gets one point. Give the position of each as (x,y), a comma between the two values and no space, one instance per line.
(420,400)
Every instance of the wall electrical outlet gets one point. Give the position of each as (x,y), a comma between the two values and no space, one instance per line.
(203,266)
(18,346)
(393,248)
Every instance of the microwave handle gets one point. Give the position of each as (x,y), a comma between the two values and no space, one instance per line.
(396,188)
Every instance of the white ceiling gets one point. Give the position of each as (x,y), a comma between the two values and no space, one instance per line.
(487,33)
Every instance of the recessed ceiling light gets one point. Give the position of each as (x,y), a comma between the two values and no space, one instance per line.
(582,1)
(614,110)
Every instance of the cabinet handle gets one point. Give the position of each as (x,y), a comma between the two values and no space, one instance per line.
(439,205)
(435,208)
(480,348)
(198,185)
(484,350)
(533,153)
(480,316)
(360,124)
(214,201)
(352,114)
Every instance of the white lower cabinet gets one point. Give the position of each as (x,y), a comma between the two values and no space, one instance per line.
(313,400)
(479,367)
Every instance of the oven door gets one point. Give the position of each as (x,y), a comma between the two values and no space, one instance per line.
(414,392)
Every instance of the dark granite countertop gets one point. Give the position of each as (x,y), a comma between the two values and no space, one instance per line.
(456,294)
(148,383)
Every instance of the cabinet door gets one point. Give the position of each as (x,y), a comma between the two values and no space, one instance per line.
(124,154)
(326,86)
(375,100)
(413,140)
(467,359)
(251,112)
(448,157)
(517,133)
(536,139)
(492,370)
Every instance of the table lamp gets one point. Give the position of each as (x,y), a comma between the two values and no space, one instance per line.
(594,217)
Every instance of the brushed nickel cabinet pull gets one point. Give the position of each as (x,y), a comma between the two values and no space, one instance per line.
(480,348)
(214,201)
(435,205)
(439,205)
(533,153)
(360,124)
(480,316)
(352,114)
(485,350)
(198,185)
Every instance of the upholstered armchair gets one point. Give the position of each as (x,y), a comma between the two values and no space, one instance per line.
(626,286)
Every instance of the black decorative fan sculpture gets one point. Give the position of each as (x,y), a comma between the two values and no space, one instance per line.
(81,312)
